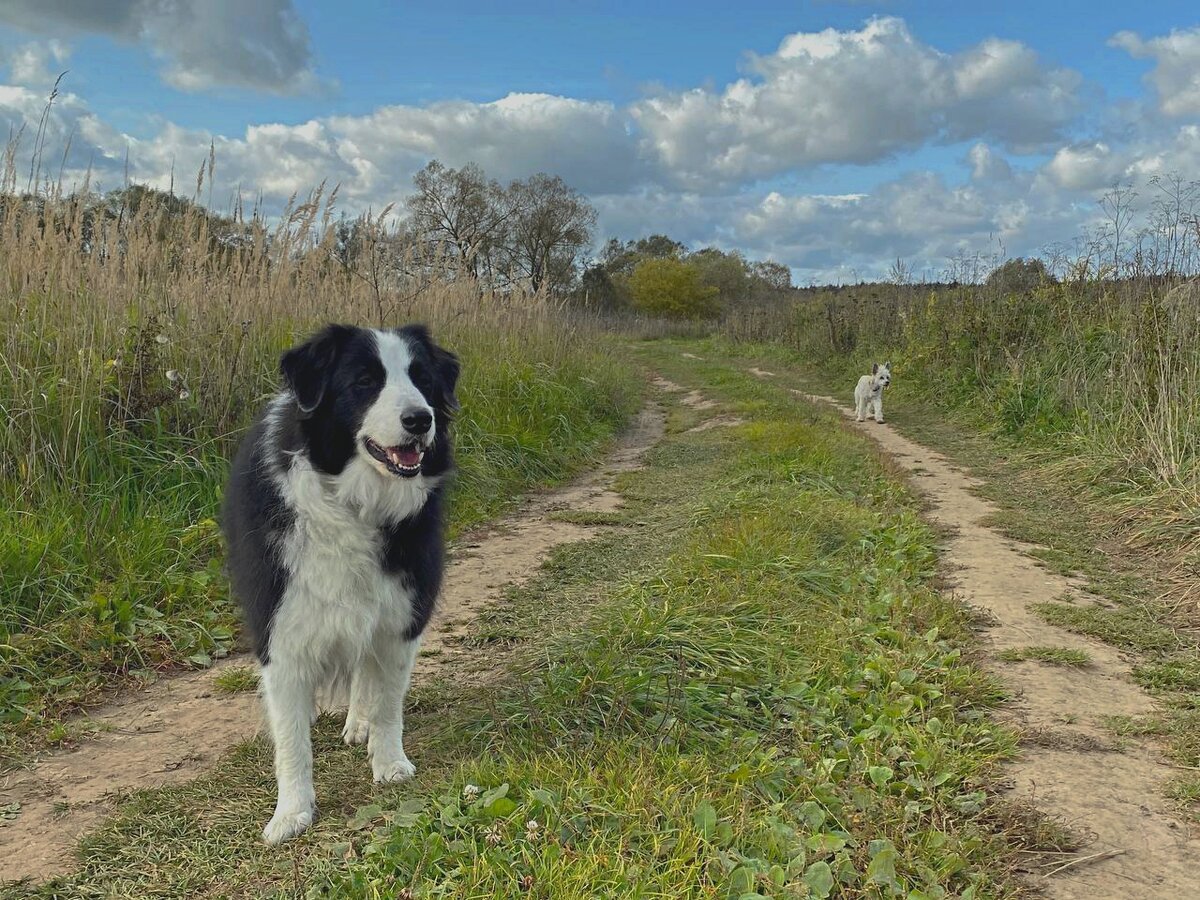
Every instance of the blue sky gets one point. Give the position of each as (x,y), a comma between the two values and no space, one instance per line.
(833,137)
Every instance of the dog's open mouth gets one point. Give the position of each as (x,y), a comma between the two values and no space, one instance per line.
(402,460)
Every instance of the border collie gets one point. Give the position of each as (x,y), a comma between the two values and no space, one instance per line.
(333,520)
(868,394)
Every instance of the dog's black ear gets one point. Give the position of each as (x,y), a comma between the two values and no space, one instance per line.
(308,367)
(888,366)
(448,368)
(874,368)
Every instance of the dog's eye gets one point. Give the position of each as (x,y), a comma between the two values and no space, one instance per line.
(366,380)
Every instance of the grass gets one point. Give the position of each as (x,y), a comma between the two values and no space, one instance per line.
(757,693)
(1129,627)
(1055,656)
(127,376)
(1081,531)
(236,680)
(1077,529)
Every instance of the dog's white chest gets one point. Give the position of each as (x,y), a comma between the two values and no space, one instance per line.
(338,594)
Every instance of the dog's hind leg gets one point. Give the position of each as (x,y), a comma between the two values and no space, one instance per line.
(289,698)
(393,660)
(860,408)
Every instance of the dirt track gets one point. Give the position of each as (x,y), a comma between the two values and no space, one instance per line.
(179,727)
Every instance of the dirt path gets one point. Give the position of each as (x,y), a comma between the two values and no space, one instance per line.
(1074,770)
(179,727)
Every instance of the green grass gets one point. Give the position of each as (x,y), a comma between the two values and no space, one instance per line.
(1129,627)
(236,680)
(758,693)
(1078,527)
(114,573)
(1055,656)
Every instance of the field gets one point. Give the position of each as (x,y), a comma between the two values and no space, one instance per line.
(125,384)
(754,652)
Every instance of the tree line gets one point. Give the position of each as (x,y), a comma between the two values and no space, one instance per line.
(537,234)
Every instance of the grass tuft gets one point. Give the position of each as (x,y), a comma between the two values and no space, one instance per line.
(236,680)
(1055,656)
(1130,627)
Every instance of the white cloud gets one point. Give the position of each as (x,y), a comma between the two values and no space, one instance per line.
(988,165)
(857,97)
(920,218)
(1176,73)
(35,64)
(583,141)
(74,139)
(259,44)
(372,157)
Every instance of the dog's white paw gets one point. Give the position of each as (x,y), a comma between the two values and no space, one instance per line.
(393,770)
(356,731)
(286,825)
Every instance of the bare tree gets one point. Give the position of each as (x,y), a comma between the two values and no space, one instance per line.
(550,227)
(460,216)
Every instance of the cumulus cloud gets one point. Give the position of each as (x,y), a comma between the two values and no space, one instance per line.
(1086,166)
(583,141)
(35,64)
(1176,73)
(259,44)
(372,157)
(857,97)
(74,140)
(988,165)
(921,218)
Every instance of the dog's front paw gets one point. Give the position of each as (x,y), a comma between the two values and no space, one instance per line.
(393,770)
(286,825)
(356,731)
(879,421)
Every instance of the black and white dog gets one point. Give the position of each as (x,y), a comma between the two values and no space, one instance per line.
(333,520)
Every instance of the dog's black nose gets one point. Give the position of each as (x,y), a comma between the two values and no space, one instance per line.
(417,421)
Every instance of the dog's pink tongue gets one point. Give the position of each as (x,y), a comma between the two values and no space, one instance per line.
(407,456)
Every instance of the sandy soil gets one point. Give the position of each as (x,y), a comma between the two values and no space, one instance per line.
(179,727)
(1078,772)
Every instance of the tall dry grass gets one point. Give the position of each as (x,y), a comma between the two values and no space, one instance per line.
(138,335)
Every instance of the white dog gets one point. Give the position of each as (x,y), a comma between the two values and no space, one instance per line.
(868,394)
